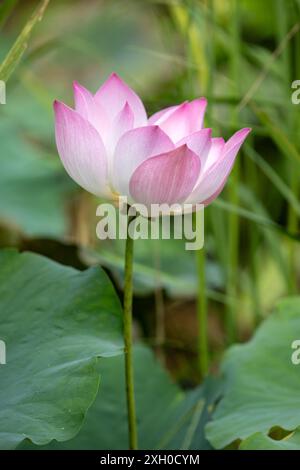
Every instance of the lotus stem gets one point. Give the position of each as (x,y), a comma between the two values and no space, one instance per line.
(129,373)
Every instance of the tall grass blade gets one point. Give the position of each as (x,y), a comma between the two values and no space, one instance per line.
(16,52)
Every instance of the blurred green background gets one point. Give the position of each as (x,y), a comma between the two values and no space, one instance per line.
(243,55)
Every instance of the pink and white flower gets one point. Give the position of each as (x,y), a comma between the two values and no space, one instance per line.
(110,147)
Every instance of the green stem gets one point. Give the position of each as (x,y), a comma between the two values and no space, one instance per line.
(160,335)
(203,356)
(128,294)
(202,305)
(234,233)
(283,10)
(251,172)
(293,227)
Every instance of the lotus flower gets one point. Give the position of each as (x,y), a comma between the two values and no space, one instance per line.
(110,147)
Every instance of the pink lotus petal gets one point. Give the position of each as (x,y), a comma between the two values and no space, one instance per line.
(81,150)
(132,149)
(122,123)
(209,156)
(214,153)
(200,143)
(163,114)
(87,107)
(113,95)
(236,140)
(185,120)
(166,178)
(215,195)
(214,179)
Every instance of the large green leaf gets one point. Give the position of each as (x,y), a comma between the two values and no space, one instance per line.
(167,417)
(262,384)
(260,441)
(56,322)
(189,431)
